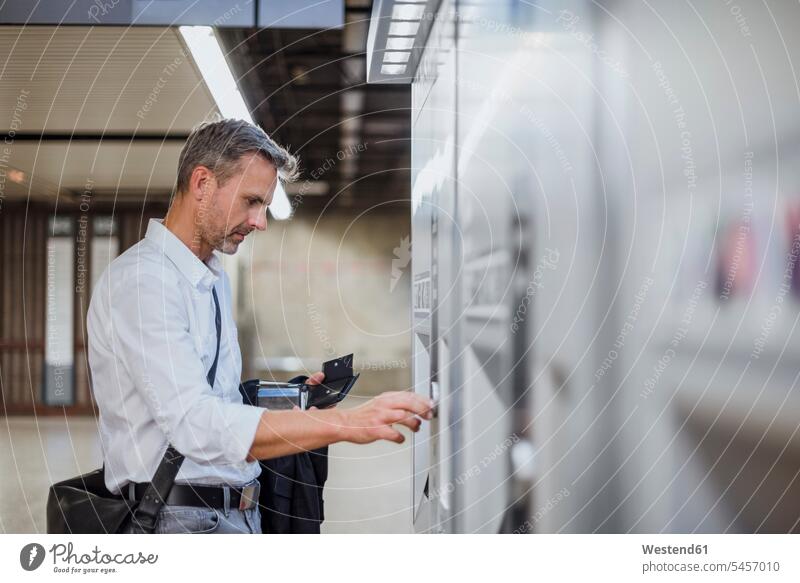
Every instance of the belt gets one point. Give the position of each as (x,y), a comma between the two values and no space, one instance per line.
(243,498)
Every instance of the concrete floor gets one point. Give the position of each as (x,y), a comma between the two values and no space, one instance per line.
(368,490)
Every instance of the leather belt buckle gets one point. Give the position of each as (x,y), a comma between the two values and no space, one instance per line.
(249,498)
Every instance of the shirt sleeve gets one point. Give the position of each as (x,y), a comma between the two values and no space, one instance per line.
(150,334)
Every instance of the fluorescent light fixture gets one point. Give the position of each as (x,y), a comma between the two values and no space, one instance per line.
(393,69)
(207,54)
(280,208)
(396,56)
(403,28)
(399,43)
(407,11)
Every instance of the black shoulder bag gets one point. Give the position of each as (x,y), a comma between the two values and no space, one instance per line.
(83,504)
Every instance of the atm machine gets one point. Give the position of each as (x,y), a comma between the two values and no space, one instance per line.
(467,257)
(489,183)
(434,277)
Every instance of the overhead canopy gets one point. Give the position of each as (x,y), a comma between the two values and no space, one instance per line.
(258,13)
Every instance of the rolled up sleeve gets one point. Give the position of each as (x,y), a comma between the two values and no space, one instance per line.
(150,334)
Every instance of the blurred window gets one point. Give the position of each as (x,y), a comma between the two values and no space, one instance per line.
(59,385)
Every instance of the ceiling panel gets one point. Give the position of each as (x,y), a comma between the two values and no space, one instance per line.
(85,79)
(78,166)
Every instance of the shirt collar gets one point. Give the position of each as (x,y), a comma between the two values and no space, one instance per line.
(201,275)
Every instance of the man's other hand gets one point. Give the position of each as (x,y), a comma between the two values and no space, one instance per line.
(374,419)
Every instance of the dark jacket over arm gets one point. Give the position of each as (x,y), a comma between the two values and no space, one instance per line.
(291,486)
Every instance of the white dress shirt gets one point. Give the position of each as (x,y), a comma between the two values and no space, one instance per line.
(152,339)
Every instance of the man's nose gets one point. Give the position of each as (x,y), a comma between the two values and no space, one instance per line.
(259,219)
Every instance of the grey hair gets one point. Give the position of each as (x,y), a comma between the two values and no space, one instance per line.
(220,145)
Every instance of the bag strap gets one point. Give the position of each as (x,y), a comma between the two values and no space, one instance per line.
(146,514)
(212,372)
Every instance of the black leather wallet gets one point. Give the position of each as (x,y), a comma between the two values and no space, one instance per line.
(339,379)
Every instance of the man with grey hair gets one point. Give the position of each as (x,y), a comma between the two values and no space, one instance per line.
(164,356)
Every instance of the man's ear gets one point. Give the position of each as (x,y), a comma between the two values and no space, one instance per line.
(201,183)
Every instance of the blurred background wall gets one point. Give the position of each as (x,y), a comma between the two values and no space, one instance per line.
(316,288)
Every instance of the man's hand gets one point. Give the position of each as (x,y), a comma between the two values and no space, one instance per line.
(287,432)
(374,419)
(314,379)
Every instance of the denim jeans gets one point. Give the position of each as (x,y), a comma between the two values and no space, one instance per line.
(203,520)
